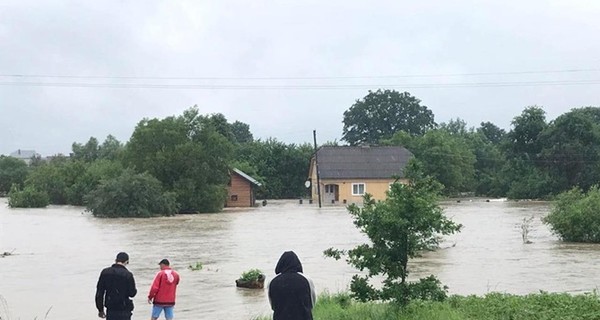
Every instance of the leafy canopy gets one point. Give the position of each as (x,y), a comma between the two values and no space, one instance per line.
(382,113)
(575,216)
(407,222)
(131,195)
(12,171)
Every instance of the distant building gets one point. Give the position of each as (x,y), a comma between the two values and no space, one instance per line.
(347,173)
(240,191)
(25,155)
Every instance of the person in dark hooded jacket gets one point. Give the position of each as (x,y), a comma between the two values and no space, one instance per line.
(291,293)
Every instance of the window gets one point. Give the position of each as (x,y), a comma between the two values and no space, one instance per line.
(358,189)
(234,197)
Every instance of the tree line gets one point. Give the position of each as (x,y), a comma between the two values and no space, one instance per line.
(176,164)
(535,159)
(183,161)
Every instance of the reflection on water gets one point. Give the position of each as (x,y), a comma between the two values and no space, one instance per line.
(60,252)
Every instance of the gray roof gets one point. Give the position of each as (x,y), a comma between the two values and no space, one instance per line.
(247,177)
(362,162)
(24,154)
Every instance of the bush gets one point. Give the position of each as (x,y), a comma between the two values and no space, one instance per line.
(251,275)
(27,198)
(196,266)
(131,195)
(575,216)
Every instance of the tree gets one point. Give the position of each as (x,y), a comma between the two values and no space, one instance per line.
(12,171)
(86,152)
(407,222)
(187,155)
(219,123)
(574,216)
(522,148)
(523,139)
(491,132)
(448,159)
(241,132)
(382,113)
(456,127)
(283,166)
(445,156)
(571,149)
(111,148)
(29,197)
(56,177)
(488,165)
(88,181)
(131,195)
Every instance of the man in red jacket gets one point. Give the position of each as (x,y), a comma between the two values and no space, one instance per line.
(163,291)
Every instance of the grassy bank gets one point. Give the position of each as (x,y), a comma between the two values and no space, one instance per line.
(494,306)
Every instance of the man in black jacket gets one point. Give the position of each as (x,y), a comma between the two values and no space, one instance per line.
(291,293)
(115,289)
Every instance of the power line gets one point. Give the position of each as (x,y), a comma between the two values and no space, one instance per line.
(301,87)
(531,72)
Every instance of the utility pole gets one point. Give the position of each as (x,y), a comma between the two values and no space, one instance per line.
(317,168)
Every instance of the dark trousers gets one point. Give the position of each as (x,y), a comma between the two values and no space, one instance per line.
(118,315)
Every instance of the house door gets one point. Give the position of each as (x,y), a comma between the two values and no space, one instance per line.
(332,193)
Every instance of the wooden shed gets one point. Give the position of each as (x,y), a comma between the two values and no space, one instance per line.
(241,189)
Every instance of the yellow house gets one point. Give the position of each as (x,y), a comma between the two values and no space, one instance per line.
(347,173)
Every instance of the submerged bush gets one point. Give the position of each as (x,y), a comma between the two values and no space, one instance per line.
(29,197)
(575,216)
(251,275)
(131,195)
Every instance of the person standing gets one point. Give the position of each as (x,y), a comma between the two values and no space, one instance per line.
(163,291)
(115,288)
(291,293)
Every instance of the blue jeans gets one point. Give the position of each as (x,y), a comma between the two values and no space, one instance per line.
(157,310)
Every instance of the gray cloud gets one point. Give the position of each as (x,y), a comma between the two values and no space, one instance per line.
(284,39)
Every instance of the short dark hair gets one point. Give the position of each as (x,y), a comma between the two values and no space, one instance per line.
(164,261)
(122,257)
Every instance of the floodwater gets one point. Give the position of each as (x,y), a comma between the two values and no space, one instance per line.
(59,252)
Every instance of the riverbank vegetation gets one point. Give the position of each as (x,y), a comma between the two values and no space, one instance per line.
(493,306)
(191,154)
(575,216)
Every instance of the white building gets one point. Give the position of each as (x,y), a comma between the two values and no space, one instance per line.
(25,155)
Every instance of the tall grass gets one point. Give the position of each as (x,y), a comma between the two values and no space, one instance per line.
(5,312)
(493,306)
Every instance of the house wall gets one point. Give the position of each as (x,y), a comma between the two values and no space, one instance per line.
(241,188)
(375,187)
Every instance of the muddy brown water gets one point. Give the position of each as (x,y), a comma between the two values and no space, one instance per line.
(59,252)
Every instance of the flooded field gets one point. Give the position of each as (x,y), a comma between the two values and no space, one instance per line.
(59,252)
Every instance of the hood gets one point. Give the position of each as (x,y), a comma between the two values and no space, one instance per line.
(288,262)
(170,277)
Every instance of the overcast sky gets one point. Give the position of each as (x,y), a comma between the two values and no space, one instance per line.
(283,67)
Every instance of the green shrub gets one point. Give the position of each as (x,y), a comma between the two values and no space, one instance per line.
(196,266)
(131,195)
(575,216)
(29,197)
(251,275)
